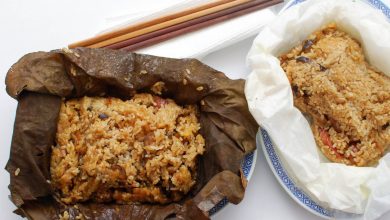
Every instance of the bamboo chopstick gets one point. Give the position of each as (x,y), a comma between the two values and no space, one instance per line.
(127,29)
(198,26)
(185,24)
(168,23)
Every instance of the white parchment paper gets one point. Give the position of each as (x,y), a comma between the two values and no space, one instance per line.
(360,190)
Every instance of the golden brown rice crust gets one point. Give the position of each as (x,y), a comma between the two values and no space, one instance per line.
(347,100)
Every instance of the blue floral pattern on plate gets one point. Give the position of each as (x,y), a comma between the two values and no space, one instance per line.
(375,3)
(286,180)
(380,5)
(247,167)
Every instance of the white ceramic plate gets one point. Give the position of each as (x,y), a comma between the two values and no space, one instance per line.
(276,164)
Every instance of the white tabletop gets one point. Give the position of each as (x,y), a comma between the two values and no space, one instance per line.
(27,26)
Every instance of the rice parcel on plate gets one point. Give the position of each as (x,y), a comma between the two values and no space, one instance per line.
(347,99)
(105,134)
(320,88)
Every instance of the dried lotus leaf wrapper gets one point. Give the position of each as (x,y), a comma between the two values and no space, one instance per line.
(39,81)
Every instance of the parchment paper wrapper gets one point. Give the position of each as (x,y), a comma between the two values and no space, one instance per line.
(363,190)
(39,81)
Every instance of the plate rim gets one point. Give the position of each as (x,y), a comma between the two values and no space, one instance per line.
(260,140)
(224,202)
(377,4)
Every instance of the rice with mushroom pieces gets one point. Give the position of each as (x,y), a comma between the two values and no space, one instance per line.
(347,100)
(139,150)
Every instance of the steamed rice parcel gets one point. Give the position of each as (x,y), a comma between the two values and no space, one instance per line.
(346,99)
(138,150)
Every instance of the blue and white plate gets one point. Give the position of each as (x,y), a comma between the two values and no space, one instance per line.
(247,165)
(276,165)
(374,3)
(288,184)
(264,140)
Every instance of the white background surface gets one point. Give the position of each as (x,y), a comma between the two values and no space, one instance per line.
(27,26)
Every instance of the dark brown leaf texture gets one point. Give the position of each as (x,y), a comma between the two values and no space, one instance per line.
(39,81)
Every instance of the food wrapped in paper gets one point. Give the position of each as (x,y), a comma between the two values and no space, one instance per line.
(41,80)
(361,190)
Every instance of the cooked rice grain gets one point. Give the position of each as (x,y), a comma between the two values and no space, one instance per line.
(347,99)
(139,150)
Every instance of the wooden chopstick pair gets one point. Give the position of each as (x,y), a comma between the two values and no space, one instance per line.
(147,33)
